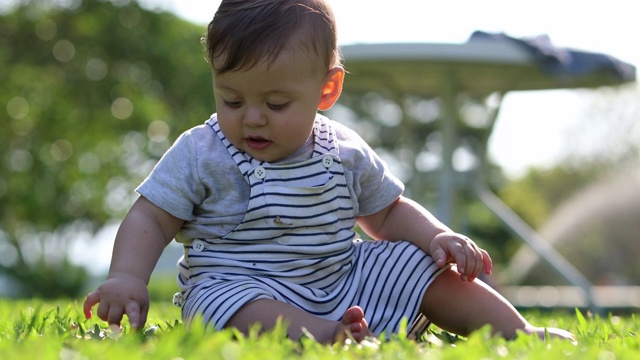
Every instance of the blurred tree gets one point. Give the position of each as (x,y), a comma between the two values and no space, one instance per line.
(93,92)
(596,229)
(536,194)
(608,135)
(605,140)
(588,205)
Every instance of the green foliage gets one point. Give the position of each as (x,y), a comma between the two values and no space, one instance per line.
(92,94)
(44,330)
(162,287)
(585,210)
(535,194)
(533,197)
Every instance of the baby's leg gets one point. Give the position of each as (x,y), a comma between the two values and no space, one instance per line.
(267,311)
(462,307)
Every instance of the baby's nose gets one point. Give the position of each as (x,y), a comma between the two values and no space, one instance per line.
(254,117)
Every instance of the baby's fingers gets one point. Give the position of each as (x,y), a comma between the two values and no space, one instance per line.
(137,315)
(440,257)
(476,260)
(487,262)
(89,302)
(471,263)
(114,314)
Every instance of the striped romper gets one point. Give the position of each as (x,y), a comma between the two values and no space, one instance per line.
(297,244)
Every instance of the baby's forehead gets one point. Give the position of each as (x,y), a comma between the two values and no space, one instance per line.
(294,54)
(298,51)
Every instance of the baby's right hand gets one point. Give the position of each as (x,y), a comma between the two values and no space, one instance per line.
(451,247)
(120,294)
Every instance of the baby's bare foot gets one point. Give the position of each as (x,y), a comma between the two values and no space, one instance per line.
(354,325)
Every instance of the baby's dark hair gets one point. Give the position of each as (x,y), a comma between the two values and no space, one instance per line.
(246,32)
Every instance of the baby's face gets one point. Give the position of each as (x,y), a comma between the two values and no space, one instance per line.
(268,110)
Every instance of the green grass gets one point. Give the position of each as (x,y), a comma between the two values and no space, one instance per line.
(32,329)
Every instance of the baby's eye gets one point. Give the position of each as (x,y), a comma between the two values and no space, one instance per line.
(232,104)
(278,106)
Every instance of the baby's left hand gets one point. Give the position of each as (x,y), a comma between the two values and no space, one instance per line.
(450,247)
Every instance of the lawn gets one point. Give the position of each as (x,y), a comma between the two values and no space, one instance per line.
(33,329)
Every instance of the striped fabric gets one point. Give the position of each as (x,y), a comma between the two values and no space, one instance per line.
(296,245)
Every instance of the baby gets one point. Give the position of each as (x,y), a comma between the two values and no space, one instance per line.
(265,196)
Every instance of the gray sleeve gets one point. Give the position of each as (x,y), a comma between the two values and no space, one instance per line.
(174,183)
(373,185)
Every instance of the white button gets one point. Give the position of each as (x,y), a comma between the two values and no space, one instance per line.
(198,245)
(177,299)
(327,161)
(260,172)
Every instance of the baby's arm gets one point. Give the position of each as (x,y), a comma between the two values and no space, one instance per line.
(141,238)
(407,220)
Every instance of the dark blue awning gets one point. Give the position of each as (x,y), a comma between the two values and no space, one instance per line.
(564,62)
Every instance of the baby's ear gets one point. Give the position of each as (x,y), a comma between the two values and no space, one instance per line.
(332,88)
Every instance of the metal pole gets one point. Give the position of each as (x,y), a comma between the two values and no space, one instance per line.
(536,242)
(448,127)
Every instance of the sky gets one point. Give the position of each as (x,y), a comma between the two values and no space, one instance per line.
(526,118)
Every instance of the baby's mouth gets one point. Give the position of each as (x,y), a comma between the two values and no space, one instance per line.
(257,142)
